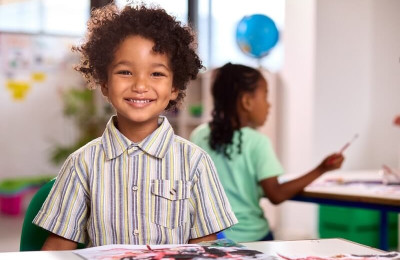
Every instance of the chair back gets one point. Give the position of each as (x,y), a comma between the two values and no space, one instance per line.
(32,236)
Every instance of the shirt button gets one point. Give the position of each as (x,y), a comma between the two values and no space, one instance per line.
(136,232)
(135,188)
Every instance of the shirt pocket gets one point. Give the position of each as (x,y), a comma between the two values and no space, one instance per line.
(169,201)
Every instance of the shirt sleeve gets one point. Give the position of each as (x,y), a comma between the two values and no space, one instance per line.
(210,208)
(266,162)
(65,210)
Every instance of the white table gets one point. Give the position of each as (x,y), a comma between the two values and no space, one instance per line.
(355,194)
(312,247)
(317,247)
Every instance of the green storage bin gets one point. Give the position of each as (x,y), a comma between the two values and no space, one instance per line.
(358,225)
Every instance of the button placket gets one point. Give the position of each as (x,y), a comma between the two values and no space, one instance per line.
(132,155)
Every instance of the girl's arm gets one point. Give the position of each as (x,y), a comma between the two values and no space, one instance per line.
(54,242)
(279,192)
(201,239)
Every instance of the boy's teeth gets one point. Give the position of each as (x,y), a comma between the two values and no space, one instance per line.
(139,101)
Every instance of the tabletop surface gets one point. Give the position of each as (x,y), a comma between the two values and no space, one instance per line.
(312,247)
(362,185)
(316,247)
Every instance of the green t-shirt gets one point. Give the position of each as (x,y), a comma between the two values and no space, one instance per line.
(240,177)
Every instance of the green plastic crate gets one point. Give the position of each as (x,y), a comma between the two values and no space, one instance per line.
(358,225)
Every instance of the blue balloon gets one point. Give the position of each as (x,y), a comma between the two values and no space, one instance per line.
(256,35)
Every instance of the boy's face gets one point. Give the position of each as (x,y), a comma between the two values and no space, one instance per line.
(139,84)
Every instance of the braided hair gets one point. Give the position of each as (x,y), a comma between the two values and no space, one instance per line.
(231,81)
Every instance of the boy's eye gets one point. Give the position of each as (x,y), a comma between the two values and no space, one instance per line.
(158,74)
(124,72)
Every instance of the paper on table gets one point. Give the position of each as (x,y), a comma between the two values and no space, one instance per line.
(187,251)
(196,251)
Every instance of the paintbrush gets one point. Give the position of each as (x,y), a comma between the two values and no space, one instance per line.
(348,144)
(344,147)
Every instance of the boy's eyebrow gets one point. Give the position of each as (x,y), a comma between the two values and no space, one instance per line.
(122,62)
(160,65)
(128,63)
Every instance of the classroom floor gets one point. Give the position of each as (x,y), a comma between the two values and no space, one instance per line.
(11,226)
(10,233)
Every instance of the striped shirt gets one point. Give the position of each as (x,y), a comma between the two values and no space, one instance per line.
(163,190)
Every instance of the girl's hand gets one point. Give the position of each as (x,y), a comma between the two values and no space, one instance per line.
(332,162)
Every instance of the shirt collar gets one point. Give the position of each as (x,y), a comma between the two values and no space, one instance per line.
(156,144)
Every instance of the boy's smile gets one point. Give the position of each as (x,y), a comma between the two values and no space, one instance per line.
(139,86)
(138,102)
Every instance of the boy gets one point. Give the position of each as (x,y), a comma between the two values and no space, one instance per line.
(138,183)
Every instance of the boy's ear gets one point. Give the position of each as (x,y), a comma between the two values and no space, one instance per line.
(104,89)
(174,93)
(246,101)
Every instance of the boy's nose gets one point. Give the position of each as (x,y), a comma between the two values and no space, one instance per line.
(139,85)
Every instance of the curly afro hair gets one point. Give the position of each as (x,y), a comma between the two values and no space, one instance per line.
(109,26)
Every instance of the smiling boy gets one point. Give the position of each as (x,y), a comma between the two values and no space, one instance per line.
(138,183)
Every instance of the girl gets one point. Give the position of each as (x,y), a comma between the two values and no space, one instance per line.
(246,162)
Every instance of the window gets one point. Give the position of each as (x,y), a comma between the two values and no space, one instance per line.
(44,16)
(217,27)
(177,8)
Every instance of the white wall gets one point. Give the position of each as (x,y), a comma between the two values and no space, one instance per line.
(296,106)
(341,76)
(344,79)
(385,139)
(30,128)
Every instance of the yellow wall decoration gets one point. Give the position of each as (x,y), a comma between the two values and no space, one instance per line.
(38,76)
(19,89)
